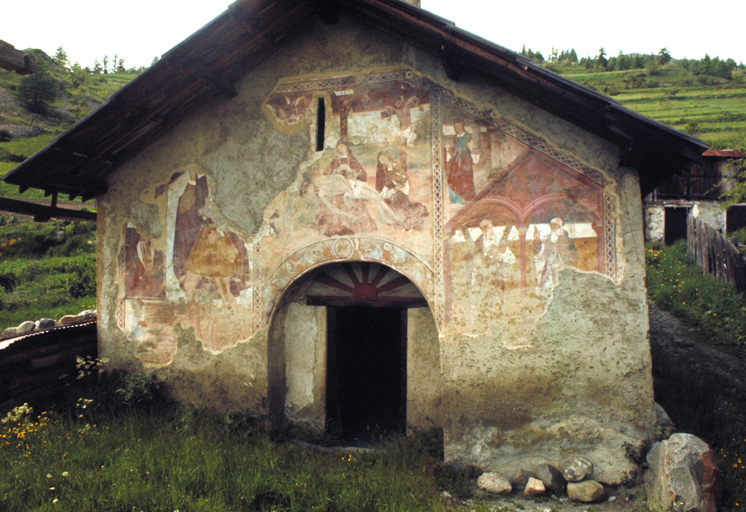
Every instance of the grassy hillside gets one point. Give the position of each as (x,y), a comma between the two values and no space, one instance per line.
(75,94)
(710,108)
(46,269)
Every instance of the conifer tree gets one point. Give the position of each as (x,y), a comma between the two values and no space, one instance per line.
(38,90)
(60,58)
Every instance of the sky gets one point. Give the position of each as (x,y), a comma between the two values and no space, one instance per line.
(140,30)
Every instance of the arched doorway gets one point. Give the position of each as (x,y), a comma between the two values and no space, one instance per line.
(366,371)
(371,369)
(366,379)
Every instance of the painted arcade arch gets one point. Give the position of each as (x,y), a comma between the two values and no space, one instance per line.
(348,249)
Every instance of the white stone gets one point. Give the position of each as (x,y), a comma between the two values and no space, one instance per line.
(26,327)
(587,491)
(69,320)
(494,483)
(534,487)
(578,469)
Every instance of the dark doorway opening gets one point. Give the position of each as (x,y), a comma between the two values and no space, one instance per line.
(735,219)
(675,224)
(366,372)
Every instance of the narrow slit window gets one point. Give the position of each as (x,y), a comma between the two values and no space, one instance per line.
(320,124)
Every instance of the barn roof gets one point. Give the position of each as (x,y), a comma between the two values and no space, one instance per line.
(724,153)
(209,62)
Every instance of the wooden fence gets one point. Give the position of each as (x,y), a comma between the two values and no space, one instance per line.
(43,363)
(716,255)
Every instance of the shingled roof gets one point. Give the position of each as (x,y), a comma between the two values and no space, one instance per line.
(209,62)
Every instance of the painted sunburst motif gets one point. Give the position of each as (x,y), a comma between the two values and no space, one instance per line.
(361,282)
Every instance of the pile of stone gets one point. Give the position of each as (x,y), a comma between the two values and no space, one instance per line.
(44,324)
(575,477)
(682,475)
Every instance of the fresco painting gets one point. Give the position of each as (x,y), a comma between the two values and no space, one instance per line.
(514,214)
(198,278)
(290,108)
(527,217)
(372,177)
(143,266)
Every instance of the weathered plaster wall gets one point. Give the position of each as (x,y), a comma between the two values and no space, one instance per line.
(557,364)
(424,384)
(710,213)
(305,366)
(580,386)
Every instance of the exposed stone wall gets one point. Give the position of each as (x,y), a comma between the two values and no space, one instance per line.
(708,212)
(517,229)
(655,222)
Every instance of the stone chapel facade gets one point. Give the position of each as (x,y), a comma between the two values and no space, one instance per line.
(356,241)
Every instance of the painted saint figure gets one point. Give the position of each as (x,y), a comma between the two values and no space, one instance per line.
(461,166)
(401,109)
(393,185)
(202,250)
(485,264)
(557,248)
(344,163)
(344,195)
(188,221)
(214,256)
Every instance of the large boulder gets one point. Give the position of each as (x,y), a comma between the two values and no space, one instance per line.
(683,476)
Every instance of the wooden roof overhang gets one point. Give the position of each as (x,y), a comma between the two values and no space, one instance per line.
(209,62)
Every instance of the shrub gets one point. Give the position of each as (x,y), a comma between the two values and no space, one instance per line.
(138,390)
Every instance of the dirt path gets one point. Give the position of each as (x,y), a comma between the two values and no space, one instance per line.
(685,347)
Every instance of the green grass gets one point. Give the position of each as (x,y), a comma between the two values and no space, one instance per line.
(47,270)
(99,454)
(23,147)
(676,284)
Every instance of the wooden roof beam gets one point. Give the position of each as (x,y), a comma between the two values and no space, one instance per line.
(450,64)
(43,212)
(328,11)
(210,78)
(239,16)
